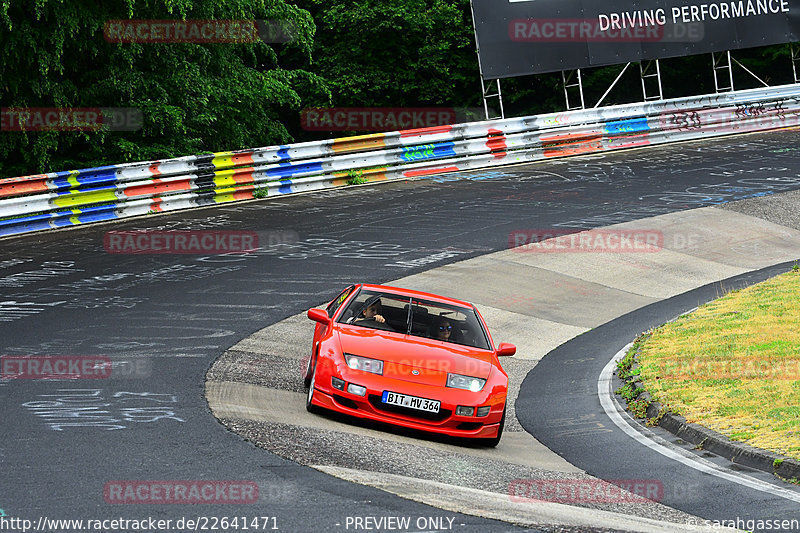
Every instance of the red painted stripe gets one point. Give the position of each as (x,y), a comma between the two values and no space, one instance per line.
(574,149)
(413,173)
(243,175)
(15,189)
(158,188)
(496,141)
(242,159)
(433,130)
(572,137)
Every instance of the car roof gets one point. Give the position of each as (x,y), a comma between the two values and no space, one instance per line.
(419,294)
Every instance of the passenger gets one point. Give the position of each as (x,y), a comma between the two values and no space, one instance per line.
(442,329)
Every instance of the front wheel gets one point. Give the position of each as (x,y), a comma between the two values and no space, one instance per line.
(310,407)
(493,442)
(307,373)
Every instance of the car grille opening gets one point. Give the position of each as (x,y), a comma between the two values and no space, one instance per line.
(347,402)
(469,426)
(376,402)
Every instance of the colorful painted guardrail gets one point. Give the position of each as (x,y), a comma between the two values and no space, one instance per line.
(59,199)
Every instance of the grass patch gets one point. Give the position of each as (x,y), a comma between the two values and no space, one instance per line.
(733,365)
(356,177)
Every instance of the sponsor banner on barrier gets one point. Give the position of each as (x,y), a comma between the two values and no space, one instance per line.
(70,118)
(586,491)
(564,240)
(55,367)
(199,31)
(179,242)
(180,492)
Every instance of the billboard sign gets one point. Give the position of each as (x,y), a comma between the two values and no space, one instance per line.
(521,37)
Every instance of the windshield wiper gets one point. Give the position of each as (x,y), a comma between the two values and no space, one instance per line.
(410,317)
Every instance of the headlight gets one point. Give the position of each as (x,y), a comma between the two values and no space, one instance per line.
(366,364)
(457,381)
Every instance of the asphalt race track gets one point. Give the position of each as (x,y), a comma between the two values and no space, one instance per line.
(163,320)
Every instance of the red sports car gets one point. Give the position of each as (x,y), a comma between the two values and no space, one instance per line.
(408,358)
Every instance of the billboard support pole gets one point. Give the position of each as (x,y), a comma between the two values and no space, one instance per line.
(722,61)
(613,84)
(645,74)
(795,52)
(567,82)
(488,94)
(762,82)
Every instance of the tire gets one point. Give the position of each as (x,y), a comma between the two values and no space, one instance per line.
(493,442)
(310,407)
(307,374)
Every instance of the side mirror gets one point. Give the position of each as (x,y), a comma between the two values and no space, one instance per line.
(319,315)
(506,349)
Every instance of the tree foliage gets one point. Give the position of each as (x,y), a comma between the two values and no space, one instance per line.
(193,97)
(396,52)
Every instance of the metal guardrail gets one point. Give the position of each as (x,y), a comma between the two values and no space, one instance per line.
(59,199)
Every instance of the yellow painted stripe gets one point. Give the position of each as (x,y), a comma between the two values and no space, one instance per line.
(224,198)
(221,181)
(84,198)
(361,142)
(223,159)
(73,178)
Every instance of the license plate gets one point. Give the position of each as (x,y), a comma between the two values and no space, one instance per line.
(412,402)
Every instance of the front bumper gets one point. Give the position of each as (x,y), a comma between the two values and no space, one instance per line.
(444,422)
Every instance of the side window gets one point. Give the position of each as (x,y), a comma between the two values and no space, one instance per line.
(334,305)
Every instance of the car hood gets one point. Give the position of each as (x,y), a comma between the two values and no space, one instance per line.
(407,351)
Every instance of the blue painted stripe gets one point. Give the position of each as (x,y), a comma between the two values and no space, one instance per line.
(22,220)
(98,216)
(23,227)
(286,187)
(88,189)
(428,151)
(87,179)
(290,170)
(633,125)
(283,153)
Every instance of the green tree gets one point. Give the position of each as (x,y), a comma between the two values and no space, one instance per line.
(193,97)
(396,52)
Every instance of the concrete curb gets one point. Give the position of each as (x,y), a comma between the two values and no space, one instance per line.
(721,445)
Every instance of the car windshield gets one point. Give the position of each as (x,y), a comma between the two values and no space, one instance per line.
(415,316)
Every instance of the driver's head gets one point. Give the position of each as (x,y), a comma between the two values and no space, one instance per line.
(372,310)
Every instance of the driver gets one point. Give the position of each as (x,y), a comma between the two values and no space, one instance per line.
(372,313)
